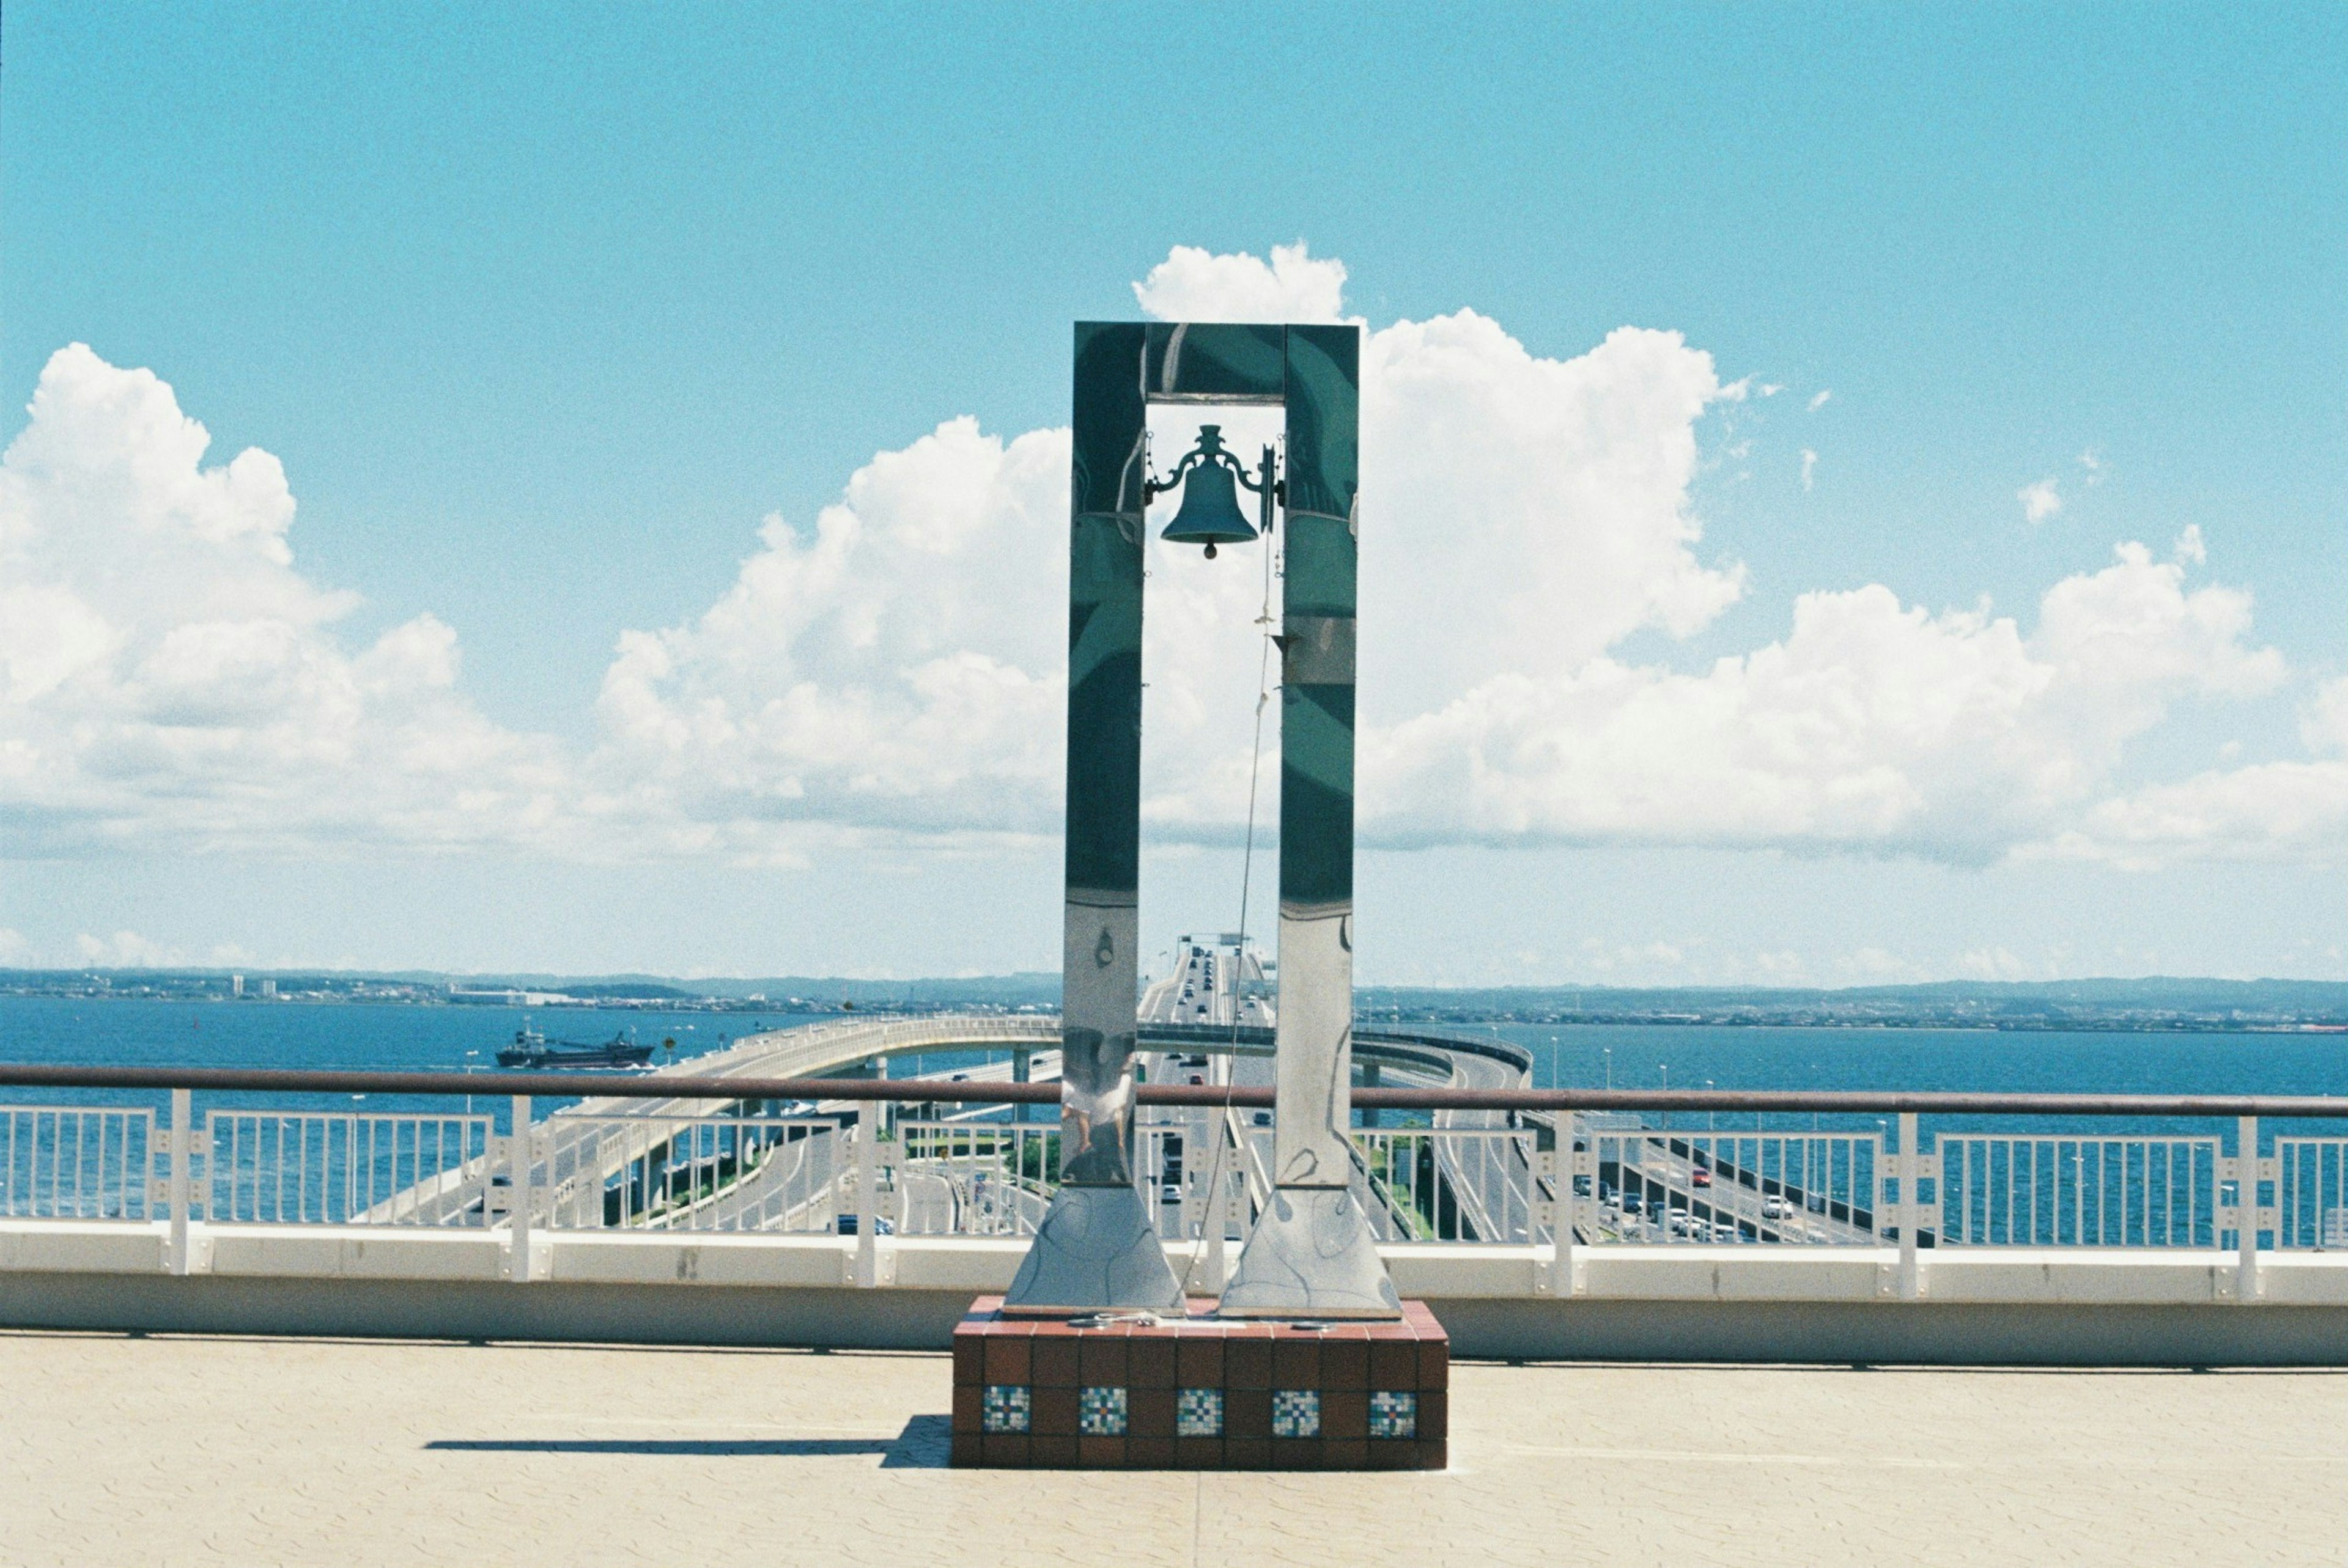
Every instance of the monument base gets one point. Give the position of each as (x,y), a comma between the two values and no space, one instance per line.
(1197,1392)
(1095,1251)
(1312,1255)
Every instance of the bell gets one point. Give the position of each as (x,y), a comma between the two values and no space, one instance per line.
(1210,514)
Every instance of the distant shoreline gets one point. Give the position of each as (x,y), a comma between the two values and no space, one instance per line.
(1879,1014)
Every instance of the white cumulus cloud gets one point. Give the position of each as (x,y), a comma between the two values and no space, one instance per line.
(125,950)
(897,665)
(1196,285)
(901,666)
(1871,724)
(167,674)
(2040,500)
(2288,810)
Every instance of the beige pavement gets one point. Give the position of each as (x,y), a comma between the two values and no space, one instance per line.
(120,1450)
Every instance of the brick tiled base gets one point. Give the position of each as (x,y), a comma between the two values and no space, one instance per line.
(1378,1393)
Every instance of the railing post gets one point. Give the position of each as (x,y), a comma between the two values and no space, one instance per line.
(1562,1166)
(868,1198)
(2246,1209)
(1215,1224)
(183,1144)
(518,1186)
(1911,1211)
(1562,1238)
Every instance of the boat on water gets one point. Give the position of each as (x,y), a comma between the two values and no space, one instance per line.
(531,1049)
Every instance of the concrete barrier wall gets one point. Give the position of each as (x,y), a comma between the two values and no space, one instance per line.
(2068,1307)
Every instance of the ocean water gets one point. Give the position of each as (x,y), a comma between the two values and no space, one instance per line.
(360,1035)
(2011,1062)
(132,1031)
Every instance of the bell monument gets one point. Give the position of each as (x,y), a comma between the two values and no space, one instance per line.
(1311,1253)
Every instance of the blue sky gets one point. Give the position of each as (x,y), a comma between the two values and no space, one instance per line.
(543,311)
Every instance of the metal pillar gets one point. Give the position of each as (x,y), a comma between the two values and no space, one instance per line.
(1313,1253)
(520,1168)
(1096,1247)
(180,1254)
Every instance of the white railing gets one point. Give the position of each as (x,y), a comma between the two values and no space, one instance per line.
(2311,1177)
(60,1162)
(1451,1184)
(661,1172)
(1204,1171)
(2037,1190)
(972,1177)
(282,1167)
(1665,1185)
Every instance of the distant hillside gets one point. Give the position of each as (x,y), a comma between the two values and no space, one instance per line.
(816,990)
(2154,991)
(2152,1002)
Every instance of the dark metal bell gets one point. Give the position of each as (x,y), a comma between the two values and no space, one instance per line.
(1210,514)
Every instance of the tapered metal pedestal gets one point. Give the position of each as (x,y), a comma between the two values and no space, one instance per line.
(1095,1250)
(1312,1255)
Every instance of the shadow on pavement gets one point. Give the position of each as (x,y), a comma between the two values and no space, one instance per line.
(926,1443)
(794,1447)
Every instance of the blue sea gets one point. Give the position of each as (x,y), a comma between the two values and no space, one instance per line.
(359,1035)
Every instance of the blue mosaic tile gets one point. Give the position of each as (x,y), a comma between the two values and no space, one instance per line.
(1004,1408)
(1100,1412)
(1296,1413)
(1199,1413)
(1393,1415)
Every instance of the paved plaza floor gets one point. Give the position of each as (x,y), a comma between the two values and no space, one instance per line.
(126,1451)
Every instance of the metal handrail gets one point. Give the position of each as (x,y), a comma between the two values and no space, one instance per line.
(674,1086)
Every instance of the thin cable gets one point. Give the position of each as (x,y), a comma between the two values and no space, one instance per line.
(1223,1133)
(1255,768)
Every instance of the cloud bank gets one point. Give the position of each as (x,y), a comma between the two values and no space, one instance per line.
(167,674)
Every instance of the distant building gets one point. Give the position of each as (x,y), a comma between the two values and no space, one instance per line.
(236,985)
(269,987)
(505,997)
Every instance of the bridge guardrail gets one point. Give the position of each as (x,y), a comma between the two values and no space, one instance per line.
(1493,1183)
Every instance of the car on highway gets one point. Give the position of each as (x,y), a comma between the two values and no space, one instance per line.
(1777,1208)
(1699,1177)
(1169,1193)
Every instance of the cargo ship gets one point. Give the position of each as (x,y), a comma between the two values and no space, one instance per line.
(530,1049)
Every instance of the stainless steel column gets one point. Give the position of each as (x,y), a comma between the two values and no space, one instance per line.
(1096,1247)
(1313,1253)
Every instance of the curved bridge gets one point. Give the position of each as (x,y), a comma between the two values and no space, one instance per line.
(701,1164)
